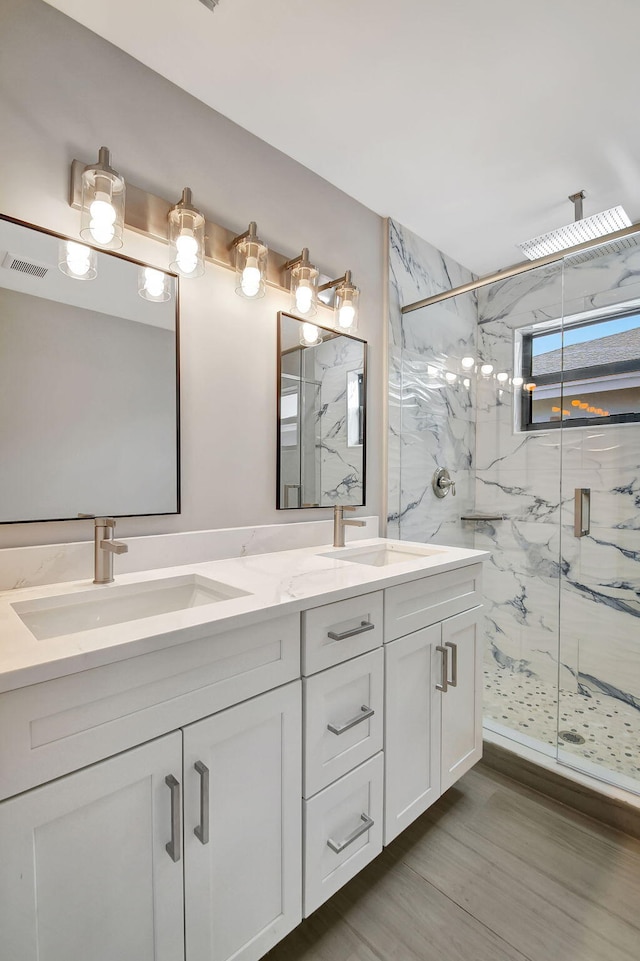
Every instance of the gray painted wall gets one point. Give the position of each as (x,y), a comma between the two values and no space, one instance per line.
(64,92)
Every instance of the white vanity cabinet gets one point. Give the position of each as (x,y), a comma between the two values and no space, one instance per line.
(85,872)
(433,694)
(242,827)
(192,839)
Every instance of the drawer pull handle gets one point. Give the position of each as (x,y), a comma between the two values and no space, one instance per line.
(364,626)
(444,654)
(173,846)
(339,846)
(365,713)
(202,829)
(454,664)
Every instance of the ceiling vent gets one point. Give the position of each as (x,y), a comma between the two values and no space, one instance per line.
(11,262)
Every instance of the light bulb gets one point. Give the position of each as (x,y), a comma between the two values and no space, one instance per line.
(251,278)
(153,282)
(467,383)
(103,217)
(346,314)
(502,377)
(310,334)
(304,297)
(78,259)
(450,377)
(187,245)
(486,370)
(468,362)
(518,381)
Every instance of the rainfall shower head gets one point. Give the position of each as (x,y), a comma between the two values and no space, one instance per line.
(583,229)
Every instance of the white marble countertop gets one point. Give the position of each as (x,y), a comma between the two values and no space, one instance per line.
(279,583)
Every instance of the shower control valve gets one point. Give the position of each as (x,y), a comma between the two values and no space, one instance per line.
(442,483)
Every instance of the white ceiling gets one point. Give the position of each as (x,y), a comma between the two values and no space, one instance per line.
(469,121)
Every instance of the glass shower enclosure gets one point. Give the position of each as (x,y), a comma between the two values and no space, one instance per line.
(528,391)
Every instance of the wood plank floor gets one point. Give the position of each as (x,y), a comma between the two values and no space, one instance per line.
(492,872)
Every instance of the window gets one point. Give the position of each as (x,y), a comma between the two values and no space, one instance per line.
(585,374)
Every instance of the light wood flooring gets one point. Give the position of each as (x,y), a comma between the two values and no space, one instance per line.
(492,872)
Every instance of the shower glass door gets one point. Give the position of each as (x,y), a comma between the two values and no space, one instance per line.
(596,393)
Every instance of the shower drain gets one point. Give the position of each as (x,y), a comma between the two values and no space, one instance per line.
(571,737)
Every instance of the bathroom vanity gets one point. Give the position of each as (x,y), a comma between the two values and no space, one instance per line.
(194,759)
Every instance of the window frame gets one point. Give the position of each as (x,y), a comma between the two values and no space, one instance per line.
(523,350)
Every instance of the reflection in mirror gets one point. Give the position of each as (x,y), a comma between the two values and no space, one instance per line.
(321,416)
(88,382)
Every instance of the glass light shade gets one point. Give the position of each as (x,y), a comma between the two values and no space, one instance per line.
(304,290)
(154,285)
(310,335)
(251,268)
(186,239)
(346,307)
(103,195)
(77,260)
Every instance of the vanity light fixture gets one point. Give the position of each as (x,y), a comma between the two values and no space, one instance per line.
(304,284)
(102,206)
(77,260)
(153,285)
(251,263)
(310,336)
(186,237)
(345,307)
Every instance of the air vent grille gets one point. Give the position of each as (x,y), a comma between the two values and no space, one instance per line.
(25,266)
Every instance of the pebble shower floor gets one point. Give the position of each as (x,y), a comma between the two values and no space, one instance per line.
(610,728)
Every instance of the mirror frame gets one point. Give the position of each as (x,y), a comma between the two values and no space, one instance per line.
(335,333)
(137,263)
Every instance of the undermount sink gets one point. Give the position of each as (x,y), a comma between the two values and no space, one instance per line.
(384,555)
(70,613)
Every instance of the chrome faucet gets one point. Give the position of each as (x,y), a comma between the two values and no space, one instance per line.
(339,524)
(104,547)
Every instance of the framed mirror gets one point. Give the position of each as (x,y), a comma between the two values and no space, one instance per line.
(89,391)
(322,389)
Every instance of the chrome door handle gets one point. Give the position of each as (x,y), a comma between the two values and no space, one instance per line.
(454,664)
(339,846)
(173,846)
(444,654)
(364,626)
(365,712)
(582,512)
(202,829)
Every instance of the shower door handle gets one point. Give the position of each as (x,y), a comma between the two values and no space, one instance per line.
(582,512)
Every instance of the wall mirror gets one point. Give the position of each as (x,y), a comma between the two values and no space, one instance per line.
(89,414)
(322,386)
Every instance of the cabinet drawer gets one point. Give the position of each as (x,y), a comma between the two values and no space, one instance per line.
(58,726)
(410,607)
(340,818)
(336,632)
(340,731)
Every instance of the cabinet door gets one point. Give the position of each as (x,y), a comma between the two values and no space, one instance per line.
(85,870)
(462,703)
(412,728)
(243,860)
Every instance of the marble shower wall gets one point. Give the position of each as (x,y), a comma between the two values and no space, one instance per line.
(545,589)
(431,418)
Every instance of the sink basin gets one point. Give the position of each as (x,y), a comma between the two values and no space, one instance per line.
(384,555)
(70,613)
